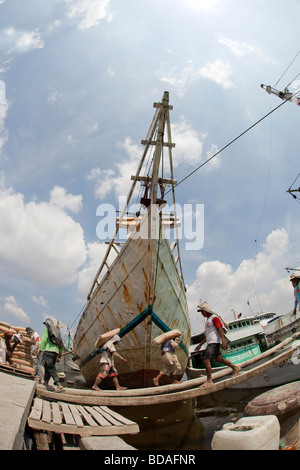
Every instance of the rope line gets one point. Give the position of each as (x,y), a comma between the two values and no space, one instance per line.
(232,141)
(287,70)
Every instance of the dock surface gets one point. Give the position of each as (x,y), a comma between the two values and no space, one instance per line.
(16,398)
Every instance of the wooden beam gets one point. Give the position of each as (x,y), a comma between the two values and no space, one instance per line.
(153,142)
(147,179)
(183,391)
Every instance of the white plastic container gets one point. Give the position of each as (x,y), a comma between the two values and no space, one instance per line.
(249,433)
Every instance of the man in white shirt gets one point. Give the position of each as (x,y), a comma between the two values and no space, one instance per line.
(215,338)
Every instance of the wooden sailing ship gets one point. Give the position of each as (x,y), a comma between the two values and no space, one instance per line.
(142,291)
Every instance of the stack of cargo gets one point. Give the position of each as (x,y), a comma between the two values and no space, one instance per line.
(21,358)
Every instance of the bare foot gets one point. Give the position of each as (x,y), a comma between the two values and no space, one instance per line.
(237,371)
(96,389)
(155,381)
(121,388)
(208,383)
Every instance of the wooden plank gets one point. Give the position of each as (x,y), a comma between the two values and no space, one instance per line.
(111,419)
(68,417)
(116,415)
(36,410)
(56,414)
(76,415)
(86,416)
(184,391)
(46,416)
(98,416)
(85,430)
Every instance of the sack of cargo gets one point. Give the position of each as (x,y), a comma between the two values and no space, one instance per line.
(165,336)
(7,330)
(6,325)
(105,337)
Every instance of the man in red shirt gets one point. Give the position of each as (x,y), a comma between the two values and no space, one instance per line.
(215,338)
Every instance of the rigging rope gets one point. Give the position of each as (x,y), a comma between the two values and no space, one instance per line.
(287,70)
(260,219)
(294,180)
(293,80)
(232,141)
(291,191)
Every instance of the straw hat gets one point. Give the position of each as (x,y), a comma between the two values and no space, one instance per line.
(206,308)
(295,276)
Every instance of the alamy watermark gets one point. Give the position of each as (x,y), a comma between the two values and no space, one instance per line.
(186,221)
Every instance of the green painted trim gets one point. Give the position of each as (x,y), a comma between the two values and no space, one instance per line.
(131,325)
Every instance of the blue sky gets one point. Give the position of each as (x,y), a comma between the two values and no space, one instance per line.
(81,77)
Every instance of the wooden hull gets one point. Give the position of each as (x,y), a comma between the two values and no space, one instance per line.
(185,390)
(279,374)
(282,327)
(143,295)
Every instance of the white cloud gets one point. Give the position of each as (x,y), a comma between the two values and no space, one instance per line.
(39,240)
(89,12)
(20,41)
(181,78)
(117,180)
(189,150)
(103,181)
(40,301)
(3,130)
(54,96)
(96,252)
(218,72)
(110,72)
(260,280)
(60,198)
(241,49)
(29,40)
(189,146)
(12,309)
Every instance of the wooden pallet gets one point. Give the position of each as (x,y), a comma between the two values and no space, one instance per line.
(13,369)
(83,420)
